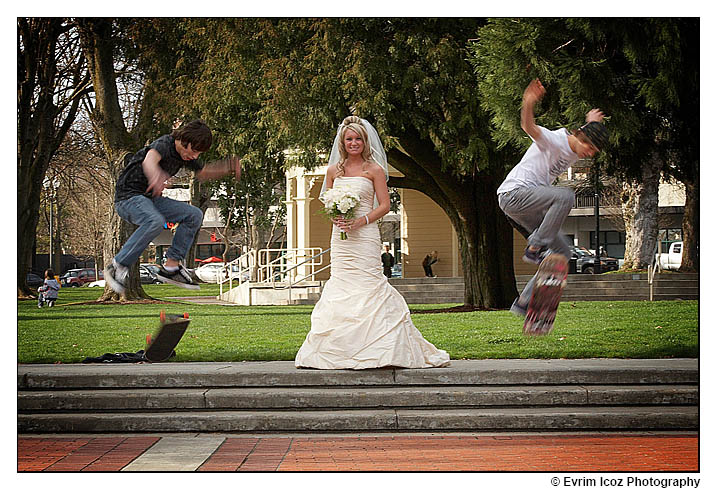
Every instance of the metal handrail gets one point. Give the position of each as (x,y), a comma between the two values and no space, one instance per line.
(654,268)
(251,259)
(267,270)
(313,273)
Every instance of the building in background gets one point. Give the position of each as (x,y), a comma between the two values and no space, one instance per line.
(424,227)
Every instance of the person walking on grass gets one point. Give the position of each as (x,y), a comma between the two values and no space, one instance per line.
(535,207)
(139,200)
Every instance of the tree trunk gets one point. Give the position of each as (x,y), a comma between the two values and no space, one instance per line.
(485,242)
(691,227)
(107,118)
(485,236)
(640,210)
(40,130)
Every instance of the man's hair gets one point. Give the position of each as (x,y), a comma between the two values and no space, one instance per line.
(195,132)
(596,133)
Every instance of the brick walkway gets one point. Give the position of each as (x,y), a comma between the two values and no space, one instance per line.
(566,452)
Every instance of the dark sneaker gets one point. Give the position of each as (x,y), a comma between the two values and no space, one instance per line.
(518,309)
(535,257)
(181,278)
(116,276)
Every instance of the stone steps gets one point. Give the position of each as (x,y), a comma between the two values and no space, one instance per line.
(469,395)
(405,420)
(580,287)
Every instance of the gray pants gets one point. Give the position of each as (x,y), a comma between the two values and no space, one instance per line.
(541,211)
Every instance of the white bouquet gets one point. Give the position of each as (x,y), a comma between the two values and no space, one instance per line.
(340,201)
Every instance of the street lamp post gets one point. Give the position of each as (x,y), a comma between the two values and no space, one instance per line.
(597,212)
(52,186)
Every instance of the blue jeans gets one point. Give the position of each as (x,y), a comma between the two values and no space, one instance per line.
(150,215)
(541,211)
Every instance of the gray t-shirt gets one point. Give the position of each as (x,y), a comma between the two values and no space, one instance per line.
(132,180)
(543,162)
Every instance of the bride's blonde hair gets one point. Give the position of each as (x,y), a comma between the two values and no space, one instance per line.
(353,123)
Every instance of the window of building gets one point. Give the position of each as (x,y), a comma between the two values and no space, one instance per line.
(614,242)
(669,235)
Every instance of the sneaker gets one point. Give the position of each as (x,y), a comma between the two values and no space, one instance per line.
(116,275)
(181,277)
(518,309)
(535,257)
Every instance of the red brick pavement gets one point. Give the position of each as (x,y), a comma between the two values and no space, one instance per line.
(567,453)
(81,454)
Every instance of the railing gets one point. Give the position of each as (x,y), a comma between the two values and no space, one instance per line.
(312,274)
(239,269)
(585,201)
(654,268)
(284,266)
(272,266)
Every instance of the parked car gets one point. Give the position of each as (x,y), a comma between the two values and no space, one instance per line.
(148,274)
(209,273)
(33,280)
(154,268)
(673,258)
(586,261)
(79,277)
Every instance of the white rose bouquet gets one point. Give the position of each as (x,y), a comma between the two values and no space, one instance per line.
(340,201)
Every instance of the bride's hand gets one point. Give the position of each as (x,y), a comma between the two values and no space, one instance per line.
(340,222)
(346,225)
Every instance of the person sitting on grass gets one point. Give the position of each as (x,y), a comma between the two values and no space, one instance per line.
(48,292)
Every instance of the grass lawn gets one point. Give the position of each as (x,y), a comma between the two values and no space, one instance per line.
(71,331)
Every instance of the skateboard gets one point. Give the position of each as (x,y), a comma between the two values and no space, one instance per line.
(550,282)
(160,346)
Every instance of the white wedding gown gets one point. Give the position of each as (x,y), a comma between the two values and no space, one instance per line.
(361,321)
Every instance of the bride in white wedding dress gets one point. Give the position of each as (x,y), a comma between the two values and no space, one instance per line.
(361,321)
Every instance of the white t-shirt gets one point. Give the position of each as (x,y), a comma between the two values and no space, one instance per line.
(543,162)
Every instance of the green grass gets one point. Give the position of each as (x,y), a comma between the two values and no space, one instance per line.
(71,331)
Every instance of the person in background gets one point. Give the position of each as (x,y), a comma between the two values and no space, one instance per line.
(387,261)
(48,292)
(430,259)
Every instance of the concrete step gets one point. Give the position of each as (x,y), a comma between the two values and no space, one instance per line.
(613,287)
(354,397)
(471,395)
(446,280)
(284,374)
(426,298)
(580,287)
(428,287)
(361,420)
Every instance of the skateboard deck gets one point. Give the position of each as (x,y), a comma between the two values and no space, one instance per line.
(160,346)
(550,282)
